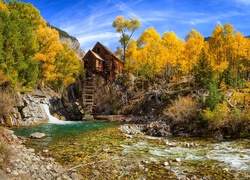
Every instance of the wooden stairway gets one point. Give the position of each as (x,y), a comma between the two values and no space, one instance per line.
(88,97)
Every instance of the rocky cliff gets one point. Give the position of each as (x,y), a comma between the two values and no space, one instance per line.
(108,96)
(72,41)
(26,111)
(74,44)
(69,105)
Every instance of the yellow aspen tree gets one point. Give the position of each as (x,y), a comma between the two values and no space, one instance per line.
(193,47)
(217,50)
(172,49)
(229,33)
(247,60)
(126,27)
(3,7)
(48,47)
(131,65)
(149,47)
(67,67)
(240,53)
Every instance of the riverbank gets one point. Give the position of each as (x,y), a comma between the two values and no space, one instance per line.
(19,162)
(124,151)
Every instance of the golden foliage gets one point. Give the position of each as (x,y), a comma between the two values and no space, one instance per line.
(49,47)
(67,66)
(3,7)
(218,117)
(194,45)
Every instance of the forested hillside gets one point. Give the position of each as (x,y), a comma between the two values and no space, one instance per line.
(216,69)
(30,51)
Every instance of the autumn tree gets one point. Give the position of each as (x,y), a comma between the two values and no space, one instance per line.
(133,58)
(126,27)
(67,67)
(48,47)
(172,54)
(217,51)
(149,44)
(193,46)
(19,45)
(240,53)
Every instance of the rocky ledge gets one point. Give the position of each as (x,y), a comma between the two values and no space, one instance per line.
(26,111)
(25,163)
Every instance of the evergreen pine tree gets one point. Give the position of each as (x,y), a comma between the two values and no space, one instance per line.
(214,96)
(203,70)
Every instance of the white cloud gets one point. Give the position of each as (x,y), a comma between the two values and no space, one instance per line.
(87,41)
(192,22)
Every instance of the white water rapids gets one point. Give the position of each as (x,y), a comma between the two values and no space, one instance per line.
(53,119)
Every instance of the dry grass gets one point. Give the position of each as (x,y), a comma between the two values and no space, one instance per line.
(182,110)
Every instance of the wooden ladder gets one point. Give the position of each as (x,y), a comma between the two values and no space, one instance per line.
(88,96)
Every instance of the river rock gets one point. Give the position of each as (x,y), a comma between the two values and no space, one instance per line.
(157,129)
(37,135)
(218,136)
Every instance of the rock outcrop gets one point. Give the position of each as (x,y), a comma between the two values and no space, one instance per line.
(69,105)
(74,44)
(108,97)
(72,41)
(26,111)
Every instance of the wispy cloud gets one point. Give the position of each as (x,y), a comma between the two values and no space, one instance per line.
(91,20)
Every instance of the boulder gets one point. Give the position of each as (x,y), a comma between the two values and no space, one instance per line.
(37,135)
(157,129)
(218,136)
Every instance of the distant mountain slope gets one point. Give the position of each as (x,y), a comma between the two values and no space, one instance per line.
(72,41)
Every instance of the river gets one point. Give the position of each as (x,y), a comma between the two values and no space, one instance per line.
(99,150)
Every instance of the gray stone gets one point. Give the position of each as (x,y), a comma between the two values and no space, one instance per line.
(218,136)
(37,135)
(26,112)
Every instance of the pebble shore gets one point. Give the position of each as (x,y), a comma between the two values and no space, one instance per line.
(25,163)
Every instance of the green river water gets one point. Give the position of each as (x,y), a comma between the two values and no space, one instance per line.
(99,150)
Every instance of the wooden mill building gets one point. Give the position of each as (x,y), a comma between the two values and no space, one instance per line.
(103,61)
(99,60)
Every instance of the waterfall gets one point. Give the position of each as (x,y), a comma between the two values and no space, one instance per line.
(53,119)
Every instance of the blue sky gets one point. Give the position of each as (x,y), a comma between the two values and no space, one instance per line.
(91,20)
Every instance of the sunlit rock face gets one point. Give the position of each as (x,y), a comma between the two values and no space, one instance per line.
(26,111)
(74,44)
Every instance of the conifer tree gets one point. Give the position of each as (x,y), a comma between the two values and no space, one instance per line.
(213,97)
(203,70)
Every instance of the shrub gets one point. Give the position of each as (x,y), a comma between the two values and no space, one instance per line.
(183,110)
(217,117)
(233,120)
